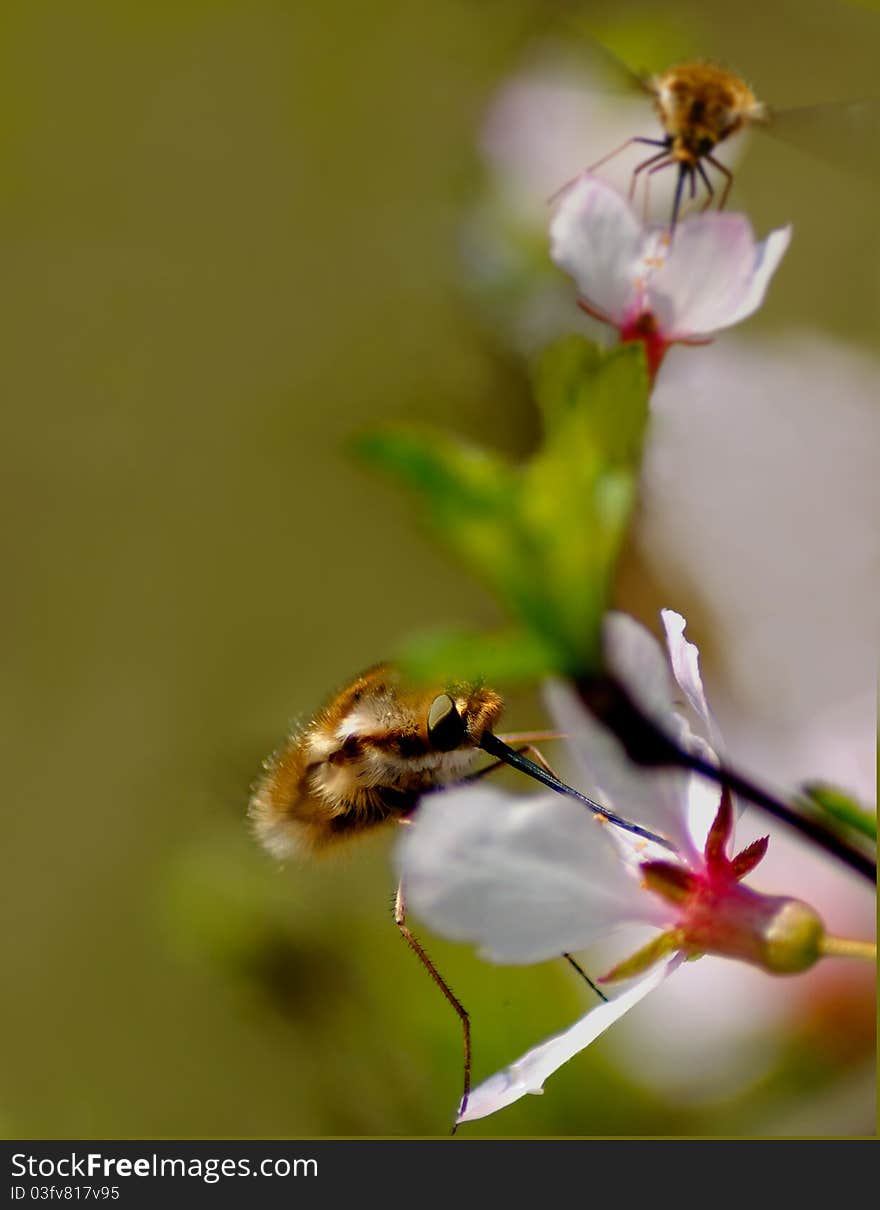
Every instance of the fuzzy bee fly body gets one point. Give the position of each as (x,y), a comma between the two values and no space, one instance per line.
(369,756)
(700,105)
(366,758)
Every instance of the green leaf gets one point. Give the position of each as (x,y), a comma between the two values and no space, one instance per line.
(841,806)
(506,657)
(604,390)
(448,473)
(544,536)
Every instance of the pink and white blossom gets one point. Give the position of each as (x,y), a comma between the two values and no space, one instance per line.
(531,879)
(654,287)
(554,116)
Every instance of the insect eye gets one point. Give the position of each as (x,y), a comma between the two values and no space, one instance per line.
(445,724)
(705,145)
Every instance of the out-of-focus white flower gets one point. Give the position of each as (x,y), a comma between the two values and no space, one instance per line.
(760,448)
(528,880)
(548,121)
(652,286)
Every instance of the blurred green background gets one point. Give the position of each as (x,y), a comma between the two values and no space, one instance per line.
(228,235)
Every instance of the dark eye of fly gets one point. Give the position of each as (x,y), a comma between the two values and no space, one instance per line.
(445,725)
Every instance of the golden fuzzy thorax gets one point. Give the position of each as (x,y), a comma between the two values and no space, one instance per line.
(364,759)
(700,105)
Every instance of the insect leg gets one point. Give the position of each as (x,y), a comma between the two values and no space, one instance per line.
(419,951)
(647,193)
(691,178)
(623,147)
(676,205)
(583,974)
(593,312)
(711,192)
(633,180)
(536,755)
(725,172)
(598,164)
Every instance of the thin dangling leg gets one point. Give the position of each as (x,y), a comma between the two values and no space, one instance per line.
(637,170)
(594,312)
(419,951)
(623,147)
(710,191)
(598,164)
(725,171)
(676,204)
(692,189)
(583,974)
(538,757)
(646,197)
(633,180)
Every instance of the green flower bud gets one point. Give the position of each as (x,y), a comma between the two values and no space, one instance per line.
(792,938)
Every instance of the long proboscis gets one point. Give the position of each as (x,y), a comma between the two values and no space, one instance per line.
(495,747)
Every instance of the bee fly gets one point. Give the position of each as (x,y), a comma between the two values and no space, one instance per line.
(699,106)
(368,757)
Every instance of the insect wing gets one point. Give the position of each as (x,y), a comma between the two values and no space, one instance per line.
(845,134)
(574,51)
(608,73)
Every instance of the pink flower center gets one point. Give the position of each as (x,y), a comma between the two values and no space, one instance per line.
(643,327)
(716,914)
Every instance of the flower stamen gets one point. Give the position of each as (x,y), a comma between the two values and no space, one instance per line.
(643,959)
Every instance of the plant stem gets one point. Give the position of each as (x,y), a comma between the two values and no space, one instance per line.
(647,744)
(842,947)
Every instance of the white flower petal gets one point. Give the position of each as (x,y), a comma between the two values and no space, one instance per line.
(542,124)
(529,1073)
(636,658)
(703,801)
(703,796)
(654,798)
(813,400)
(597,239)
(768,254)
(639,661)
(714,275)
(525,879)
(685,659)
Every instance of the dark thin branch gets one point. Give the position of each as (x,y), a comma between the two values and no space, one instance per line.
(647,745)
